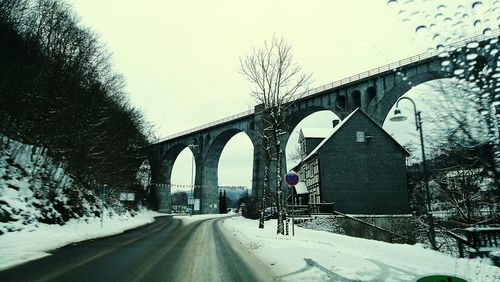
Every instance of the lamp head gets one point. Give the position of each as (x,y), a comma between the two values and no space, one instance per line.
(398,116)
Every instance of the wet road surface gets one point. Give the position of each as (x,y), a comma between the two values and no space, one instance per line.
(165,250)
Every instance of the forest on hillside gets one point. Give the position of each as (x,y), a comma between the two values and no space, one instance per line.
(58,90)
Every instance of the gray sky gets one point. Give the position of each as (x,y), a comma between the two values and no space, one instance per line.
(180,59)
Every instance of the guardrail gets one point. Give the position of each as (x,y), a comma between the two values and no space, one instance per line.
(347,80)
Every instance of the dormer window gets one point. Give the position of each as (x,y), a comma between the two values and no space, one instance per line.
(360,136)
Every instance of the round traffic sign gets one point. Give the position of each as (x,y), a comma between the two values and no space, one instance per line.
(292,178)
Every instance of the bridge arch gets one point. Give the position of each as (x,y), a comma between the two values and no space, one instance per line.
(312,117)
(300,114)
(379,109)
(170,159)
(210,171)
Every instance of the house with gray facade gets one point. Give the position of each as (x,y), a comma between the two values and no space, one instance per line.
(356,165)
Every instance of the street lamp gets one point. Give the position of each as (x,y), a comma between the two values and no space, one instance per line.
(398,116)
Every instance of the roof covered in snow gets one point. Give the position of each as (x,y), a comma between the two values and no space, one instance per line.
(316,132)
(336,128)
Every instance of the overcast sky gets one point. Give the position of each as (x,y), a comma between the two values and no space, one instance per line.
(180,59)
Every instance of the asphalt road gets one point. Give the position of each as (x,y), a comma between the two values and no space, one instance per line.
(165,250)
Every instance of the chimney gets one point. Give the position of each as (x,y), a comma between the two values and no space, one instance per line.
(335,122)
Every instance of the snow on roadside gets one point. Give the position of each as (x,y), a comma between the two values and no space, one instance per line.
(318,256)
(32,243)
(186,219)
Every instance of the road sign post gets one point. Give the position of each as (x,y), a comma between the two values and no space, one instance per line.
(292,178)
(104,192)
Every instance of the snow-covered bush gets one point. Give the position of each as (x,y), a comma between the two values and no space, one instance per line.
(328,224)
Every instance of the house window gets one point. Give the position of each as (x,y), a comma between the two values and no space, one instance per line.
(360,136)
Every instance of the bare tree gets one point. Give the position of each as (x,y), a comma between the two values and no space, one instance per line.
(465,190)
(276,81)
(461,125)
(295,155)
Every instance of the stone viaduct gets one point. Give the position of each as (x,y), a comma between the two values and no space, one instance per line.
(375,91)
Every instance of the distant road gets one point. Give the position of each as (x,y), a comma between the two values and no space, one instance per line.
(165,250)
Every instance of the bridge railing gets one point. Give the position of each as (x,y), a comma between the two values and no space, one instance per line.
(396,65)
(347,80)
(208,125)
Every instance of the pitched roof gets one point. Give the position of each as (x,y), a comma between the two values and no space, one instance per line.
(336,128)
(316,132)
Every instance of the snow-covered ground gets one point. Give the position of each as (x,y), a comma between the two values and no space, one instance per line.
(323,256)
(309,255)
(33,242)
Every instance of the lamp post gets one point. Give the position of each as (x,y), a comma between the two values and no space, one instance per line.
(398,116)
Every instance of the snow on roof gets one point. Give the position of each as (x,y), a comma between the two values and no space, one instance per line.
(332,132)
(316,132)
(336,128)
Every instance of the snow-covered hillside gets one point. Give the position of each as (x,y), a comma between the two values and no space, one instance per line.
(35,189)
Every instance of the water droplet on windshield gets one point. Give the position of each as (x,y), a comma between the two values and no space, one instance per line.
(421,28)
(473,44)
(445,63)
(487,31)
(471,56)
(477,22)
(458,71)
(443,55)
(477,4)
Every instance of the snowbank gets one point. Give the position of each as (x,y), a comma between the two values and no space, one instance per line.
(322,256)
(31,242)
